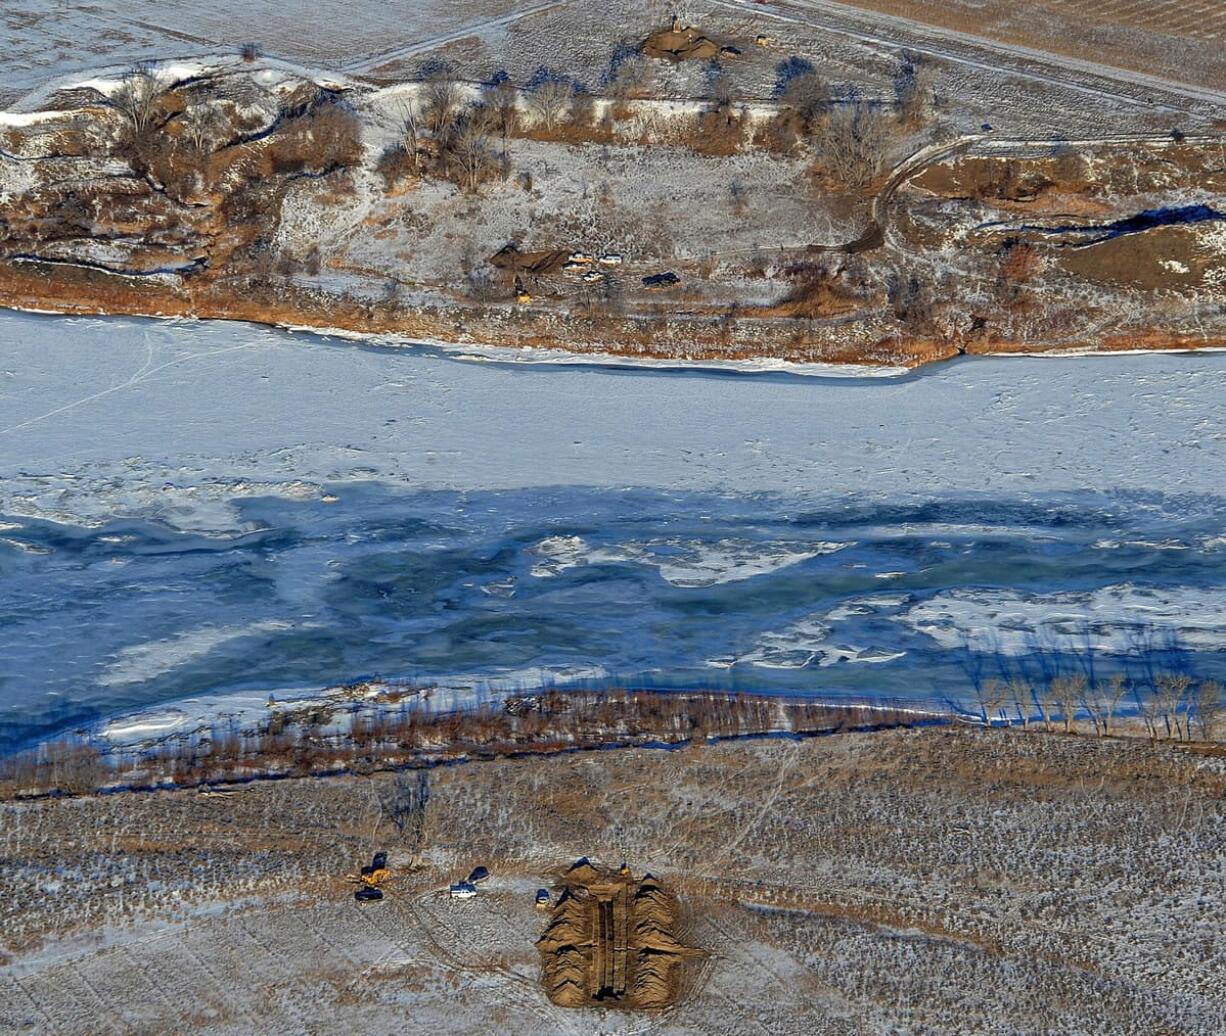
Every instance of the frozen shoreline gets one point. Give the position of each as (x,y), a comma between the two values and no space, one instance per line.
(210,410)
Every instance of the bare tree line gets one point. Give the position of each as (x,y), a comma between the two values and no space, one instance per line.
(1173,706)
(412,735)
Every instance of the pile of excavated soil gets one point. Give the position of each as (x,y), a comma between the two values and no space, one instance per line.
(682,44)
(540,263)
(576,946)
(565,952)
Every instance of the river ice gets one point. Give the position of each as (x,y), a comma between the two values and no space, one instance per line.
(198,509)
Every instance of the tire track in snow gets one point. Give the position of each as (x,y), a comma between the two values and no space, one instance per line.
(420,46)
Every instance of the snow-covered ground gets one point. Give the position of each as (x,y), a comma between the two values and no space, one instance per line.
(176,421)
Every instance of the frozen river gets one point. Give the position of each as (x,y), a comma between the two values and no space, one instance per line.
(197,509)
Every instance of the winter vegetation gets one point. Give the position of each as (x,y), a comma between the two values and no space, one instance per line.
(401,728)
(950,880)
(372,727)
(755,197)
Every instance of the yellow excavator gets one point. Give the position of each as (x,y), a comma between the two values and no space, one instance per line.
(371,879)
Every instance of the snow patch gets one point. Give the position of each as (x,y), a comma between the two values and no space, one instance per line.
(1121,619)
(142,662)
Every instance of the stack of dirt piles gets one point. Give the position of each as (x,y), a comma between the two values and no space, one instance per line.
(588,956)
(659,957)
(565,952)
(681,43)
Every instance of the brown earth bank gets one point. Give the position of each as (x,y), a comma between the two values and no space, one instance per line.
(84,292)
(940,880)
(654,336)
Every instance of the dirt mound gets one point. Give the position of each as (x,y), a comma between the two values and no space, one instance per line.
(612,938)
(540,263)
(681,43)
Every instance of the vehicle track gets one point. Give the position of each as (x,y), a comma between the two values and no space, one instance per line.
(524,993)
(409,50)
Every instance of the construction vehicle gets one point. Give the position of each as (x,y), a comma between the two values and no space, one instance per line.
(371,879)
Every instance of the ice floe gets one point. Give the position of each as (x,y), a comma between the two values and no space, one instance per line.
(141,662)
(687,563)
(1119,619)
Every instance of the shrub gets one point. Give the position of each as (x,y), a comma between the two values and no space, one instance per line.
(396,164)
(852,145)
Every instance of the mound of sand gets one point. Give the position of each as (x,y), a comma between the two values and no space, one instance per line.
(612,938)
(681,43)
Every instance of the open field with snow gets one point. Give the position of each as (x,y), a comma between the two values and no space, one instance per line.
(938,881)
(45,39)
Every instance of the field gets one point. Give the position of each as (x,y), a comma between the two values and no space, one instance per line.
(954,881)
(46,39)
(483,37)
(1179,40)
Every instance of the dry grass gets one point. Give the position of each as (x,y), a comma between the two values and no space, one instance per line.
(877,881)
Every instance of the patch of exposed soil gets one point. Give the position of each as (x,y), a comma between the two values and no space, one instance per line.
(538,263)
(613,938)
(681,43)
(1173,258)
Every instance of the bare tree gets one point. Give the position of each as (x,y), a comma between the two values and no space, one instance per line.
(442,100)
(914,91)
(582,110)
(470,146)
(1068,692)
(1103,702)
(403,803)
(503,103)
(138,94)
(201,125)
(549,101)
(1022,696)
(852,145)
(1047,707)
(411,125)
(1171,694)
(1150,706)
(1209,705)
(989,696)
(807,97)
(633,77)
